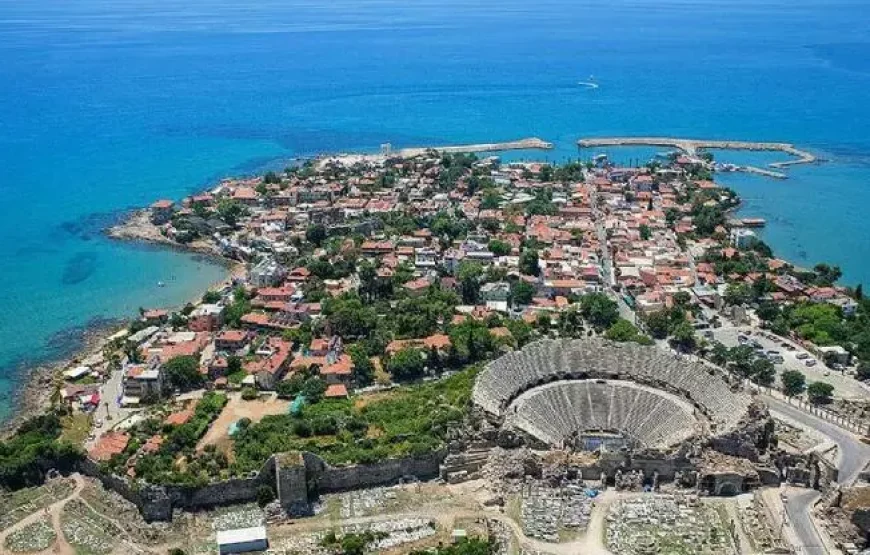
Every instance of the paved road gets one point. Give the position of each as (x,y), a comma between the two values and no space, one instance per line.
(110,411)
(798,506)
(853,455)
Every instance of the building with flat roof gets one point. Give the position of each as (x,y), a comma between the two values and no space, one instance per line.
(242,540)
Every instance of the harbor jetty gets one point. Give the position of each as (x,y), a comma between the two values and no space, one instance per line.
(692,146)
(531,143)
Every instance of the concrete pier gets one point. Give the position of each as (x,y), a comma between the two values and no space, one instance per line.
(692,146)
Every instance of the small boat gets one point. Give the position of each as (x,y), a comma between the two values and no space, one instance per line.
(160,284)
(590,84)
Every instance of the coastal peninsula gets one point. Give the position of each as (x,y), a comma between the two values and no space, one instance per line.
(428,342)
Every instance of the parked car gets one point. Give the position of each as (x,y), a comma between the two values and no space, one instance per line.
(810,362)
(802,356)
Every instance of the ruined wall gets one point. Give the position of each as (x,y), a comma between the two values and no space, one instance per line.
(156,502)
(292,484)
(110,481)
(327,478)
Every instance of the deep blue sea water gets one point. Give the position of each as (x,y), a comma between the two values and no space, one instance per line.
(108,105)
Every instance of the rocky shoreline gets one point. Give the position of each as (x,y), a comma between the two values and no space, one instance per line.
(33,394)
(137,226)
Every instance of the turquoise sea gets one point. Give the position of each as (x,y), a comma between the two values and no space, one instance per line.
(106,106)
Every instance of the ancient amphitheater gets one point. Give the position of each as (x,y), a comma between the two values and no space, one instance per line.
(559,390)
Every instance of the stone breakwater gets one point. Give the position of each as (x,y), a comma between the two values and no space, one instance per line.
(692,146)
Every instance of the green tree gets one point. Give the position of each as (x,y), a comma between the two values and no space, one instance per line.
(819,393)
(599,310)
(570,322)
(827,275)
(491,200)
(522,293)
(211,297)
(763,372)
(529,262)
(469,274)
(313,388)
(683,336)
(183,372)
(470,341)
(546,173)
(238,308)
(738,294)
(645,232)
(793,383)
(520,330)
(407,364)
(234,364)
(363,368)
(658,324)
(707,218)
(719,354)
(740,360)
(315,234)
(230,211)
(622,330)
(349,317)
(499,248)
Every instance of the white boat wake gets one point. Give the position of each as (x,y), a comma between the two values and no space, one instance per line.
(588,84)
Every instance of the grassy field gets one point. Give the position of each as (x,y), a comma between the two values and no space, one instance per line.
(76,428)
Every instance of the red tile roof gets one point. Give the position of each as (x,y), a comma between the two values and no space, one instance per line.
(336,390)
(111,444)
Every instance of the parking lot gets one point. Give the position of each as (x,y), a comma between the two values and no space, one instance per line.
(844,386)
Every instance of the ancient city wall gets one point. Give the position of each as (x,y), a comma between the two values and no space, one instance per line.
(294,484)
(328,478)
